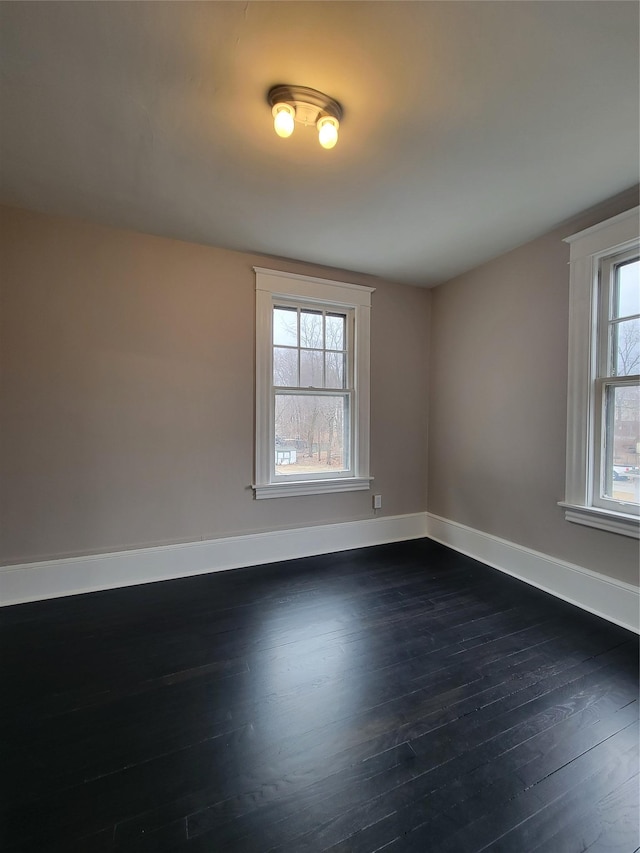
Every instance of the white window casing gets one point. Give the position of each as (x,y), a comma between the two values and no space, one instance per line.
(590,251)
(274,288)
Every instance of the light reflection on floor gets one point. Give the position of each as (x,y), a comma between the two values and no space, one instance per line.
(307,676)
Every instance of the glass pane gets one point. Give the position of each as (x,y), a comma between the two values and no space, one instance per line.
(335,324)
(312,434)
(622,443)
(311,329)
(285,367)
(626,347)
(627,301)
(285,327)
(334,370)
(310,369)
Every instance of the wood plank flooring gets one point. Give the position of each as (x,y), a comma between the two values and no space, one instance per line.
(398,698)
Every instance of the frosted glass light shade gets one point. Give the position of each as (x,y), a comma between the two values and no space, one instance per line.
(327,131)
(283,120)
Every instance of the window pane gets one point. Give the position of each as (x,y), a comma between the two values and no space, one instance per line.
(621,476)
(311,329)
(335,324)
(626,347)
(311,434)
(285,327)
(334,370)
(310,369)
(285,367)
(627,301)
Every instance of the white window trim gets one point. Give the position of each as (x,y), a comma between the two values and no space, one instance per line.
(587,248)
(271,285)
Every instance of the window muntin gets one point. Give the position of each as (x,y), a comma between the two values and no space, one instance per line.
(310,347)
(312,385)
(623,285)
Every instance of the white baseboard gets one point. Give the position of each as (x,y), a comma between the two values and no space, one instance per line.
(614,600)
(75,575)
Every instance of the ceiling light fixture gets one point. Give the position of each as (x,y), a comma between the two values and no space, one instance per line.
(290,104)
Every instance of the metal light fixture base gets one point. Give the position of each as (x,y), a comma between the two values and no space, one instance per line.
(309,104)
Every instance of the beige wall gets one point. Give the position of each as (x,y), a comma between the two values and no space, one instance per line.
(498,382)
(127,393)
(127,406)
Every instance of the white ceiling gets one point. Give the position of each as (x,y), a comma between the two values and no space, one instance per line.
(469,127)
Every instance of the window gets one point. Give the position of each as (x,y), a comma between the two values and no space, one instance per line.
(616,459)
(312,385)
(603,438)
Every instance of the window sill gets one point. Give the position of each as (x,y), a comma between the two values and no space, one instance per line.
(311,487)
(602,519)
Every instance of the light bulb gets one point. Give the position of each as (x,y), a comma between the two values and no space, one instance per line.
(327,131)
(283,120)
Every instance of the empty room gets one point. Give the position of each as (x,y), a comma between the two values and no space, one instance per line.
(319,426)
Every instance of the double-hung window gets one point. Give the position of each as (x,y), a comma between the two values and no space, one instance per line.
(312,385)
(603,438)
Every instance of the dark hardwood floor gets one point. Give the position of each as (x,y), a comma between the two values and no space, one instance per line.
(398,698)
